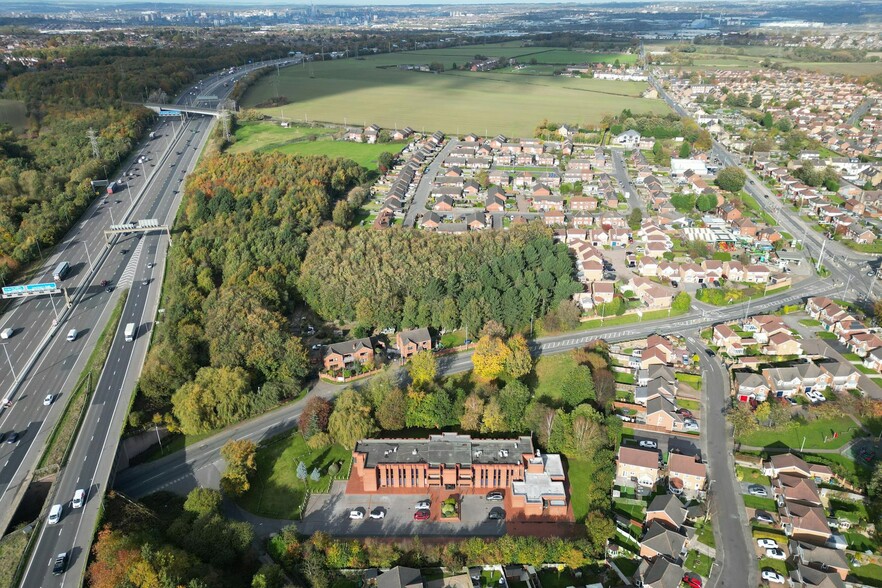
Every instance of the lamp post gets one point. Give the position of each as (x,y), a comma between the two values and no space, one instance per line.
(11,369)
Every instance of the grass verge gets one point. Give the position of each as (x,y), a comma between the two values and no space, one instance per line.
(12,550)
(65,430)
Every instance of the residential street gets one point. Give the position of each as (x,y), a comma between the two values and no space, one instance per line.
(421,195)
(731,526)
(621,174)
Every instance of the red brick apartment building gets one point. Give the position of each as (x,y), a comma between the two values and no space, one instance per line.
(455,462)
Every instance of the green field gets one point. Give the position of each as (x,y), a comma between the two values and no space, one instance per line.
(373,90)
(12,113)
(548,375)
(267,136)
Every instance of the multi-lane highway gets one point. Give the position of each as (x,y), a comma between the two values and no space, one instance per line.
(134,262)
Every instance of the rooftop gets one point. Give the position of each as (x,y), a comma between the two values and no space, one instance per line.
(445,448)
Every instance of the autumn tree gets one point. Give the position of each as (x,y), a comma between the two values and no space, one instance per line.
(422,368)
(519,362)
(601,529)
(351,420)
(473,412)
(392,410)
(314,417)
(203,501)
(216,398)
(490,357)
(241,458)
(494,420)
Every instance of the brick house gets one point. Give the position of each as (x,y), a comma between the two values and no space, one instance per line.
(341,355)
(413,341)
(638,466)
(687,476)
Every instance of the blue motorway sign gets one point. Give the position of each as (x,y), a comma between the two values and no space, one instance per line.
(169,113)
(30,289)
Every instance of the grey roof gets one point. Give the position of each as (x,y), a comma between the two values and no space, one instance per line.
(815,554)
(814,577)
(662,540)
(446,448)
(400,577)
(661,403)
(662,573)
(750,380)
(349,347)
(415,335)
(671,506)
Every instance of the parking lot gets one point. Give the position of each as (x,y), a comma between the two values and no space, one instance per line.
(330,513)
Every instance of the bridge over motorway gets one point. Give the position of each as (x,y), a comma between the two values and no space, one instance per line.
(173,109)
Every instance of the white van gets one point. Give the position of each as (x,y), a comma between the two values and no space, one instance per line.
(54,514)
(72,335)
(6,333)
(78,499)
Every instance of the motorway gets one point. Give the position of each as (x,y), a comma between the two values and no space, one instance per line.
(130,263)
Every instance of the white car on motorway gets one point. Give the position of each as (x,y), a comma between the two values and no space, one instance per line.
(48,400)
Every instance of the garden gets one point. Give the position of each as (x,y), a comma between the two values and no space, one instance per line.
(286,469)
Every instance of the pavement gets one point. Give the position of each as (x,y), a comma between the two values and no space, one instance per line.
(621,174)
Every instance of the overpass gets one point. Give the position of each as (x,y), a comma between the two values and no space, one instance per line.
(175,109)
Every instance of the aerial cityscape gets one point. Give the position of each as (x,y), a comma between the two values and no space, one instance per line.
(415,295)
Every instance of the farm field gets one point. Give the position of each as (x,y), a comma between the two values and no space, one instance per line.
(12,113)
(267,136)
(373,90)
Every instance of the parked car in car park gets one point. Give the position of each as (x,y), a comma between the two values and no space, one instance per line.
(495,495)
(423,504)
(421,515)
(356,513)
(378,513)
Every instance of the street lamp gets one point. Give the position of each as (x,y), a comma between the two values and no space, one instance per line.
(11,369)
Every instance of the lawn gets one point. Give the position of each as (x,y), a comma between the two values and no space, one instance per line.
(549,375)
(692,405)
(870,574)
(581,476)
(373,90)
(626,319)
(624,377)
(635,511)
(826,335)
(751,475)
(705,533)
(627,566)
(862,543)
(758,503)
(810,323)
(550,578)
(699,563)
(813,432)
(276,491)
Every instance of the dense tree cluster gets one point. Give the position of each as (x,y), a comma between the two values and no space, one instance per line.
(665,126)
(404,278)
(224,349)
(318,559)
(178,543)
(45,174)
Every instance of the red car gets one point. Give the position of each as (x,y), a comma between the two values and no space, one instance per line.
(692,581)
(421,515)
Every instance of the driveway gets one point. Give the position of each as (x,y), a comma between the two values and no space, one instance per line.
(665,442)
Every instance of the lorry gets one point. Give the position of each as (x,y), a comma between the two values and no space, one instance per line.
(111,187)
(130,332)
(60,271)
